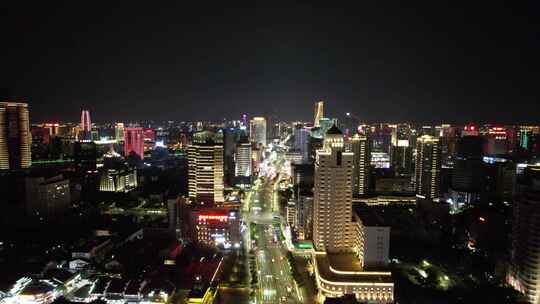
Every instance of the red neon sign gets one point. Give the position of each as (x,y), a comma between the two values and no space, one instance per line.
(217,217)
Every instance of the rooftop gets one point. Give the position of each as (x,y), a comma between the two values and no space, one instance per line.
(345,268)
(369,216)
(334,130)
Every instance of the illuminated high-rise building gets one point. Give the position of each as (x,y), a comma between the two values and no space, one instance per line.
(319,113)
(205,168)
(243,164)
(467,171)
(497,141)
(401,150)
(428,167)
(524,270)
(134,141)
(119,131)
(86,126)
(332,212)
(301,137)
(257,130)
(15,136)
(361,148)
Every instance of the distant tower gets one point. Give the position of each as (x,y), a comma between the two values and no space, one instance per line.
(362,160)
(332,209)
(86,125)
(15,136)
(319,113)
(428,167)
(134,141)
(119,131)
(205,168)
(257,130)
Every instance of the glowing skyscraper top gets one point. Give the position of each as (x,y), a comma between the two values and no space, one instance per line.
(86,125)
(319,113)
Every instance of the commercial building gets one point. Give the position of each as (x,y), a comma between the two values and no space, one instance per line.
(497,141)
(119,131)
(243,163)
(467,173)
(15,136)
(332,218)
(205,168)
(361,148)
(118,180)
(257,130)
(524,272)
(372,238)
(290,214)
(47,198)
(219,227)
(231,136)
(301,137)
(428,167)
(401,150)
(342,274)
(134,142)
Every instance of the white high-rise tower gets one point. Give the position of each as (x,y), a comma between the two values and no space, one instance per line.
(332,212)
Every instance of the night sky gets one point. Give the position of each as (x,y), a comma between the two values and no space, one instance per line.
(174,60)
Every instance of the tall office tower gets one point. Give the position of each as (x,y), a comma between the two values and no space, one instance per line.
(362,159)
(205,168)
(119,131)
(301,136)
(428,167)
(245,121)
(496,141)
(243,166)
(401,156)
(319,113)
(332,213)
(524,270)
(257,130)
(15,136)
(134,142)
(86,126)
(230,138)
(467,174)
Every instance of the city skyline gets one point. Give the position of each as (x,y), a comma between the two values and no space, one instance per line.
(216,153)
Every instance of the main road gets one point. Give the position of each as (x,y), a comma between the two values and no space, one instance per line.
(275,281)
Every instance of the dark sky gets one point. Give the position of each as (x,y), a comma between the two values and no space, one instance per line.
(174,60)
